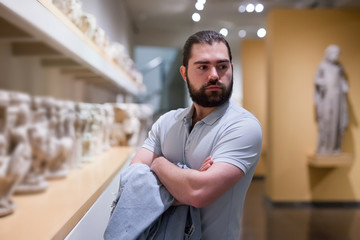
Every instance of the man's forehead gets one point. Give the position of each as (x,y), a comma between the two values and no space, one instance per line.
(206,51)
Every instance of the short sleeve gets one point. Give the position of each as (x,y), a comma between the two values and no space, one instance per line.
(240,144)
(152,142)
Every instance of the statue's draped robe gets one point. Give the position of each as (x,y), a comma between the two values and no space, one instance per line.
(331,107)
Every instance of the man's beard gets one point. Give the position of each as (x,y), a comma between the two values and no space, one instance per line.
(210,98)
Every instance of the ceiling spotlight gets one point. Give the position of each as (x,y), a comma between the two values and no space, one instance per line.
(242,8)
(261,32)
(259,7)
(201,1)
(224,32)
(250,7)
(242,33)
(196,17)
(199,6)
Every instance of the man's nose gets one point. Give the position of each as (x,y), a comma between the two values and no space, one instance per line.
(213,75)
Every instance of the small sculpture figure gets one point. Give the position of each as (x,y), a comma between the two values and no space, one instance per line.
(116,52)
(68,130)
(79,126)
(34,180)
(60,146)
(62,5)
(18,153)
(330,101)
(100,38)
(108,125)
(127,124)
(87,136)
(6,205)
(97,125)
(71,8)
(75,12)
(88,25)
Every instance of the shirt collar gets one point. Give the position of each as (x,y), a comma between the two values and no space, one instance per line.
(211,118)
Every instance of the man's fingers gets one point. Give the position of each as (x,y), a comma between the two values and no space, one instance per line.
(206,164)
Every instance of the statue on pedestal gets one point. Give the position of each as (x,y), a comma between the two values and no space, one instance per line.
(330,101)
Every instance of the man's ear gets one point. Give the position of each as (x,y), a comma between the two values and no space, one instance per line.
(183,72)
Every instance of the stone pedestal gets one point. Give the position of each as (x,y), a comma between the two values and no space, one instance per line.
(333,160)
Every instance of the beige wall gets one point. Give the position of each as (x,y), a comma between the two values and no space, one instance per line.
(295,46)
(254,88)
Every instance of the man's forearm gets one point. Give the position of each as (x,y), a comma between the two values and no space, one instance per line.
(197,188)
(144,156)
(174,178)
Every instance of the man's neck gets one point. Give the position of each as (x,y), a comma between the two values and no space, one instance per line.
(200,113)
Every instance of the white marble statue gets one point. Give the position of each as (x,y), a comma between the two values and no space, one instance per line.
(100,38)
(34,180)
(18,152)
(146,113)
(75,12)
(116,52)
(331,89)
(79,125)
(6,182)
(88,25)
(72,9)
(108,125)
(127,124)
(68,130)
(4,157)
(59,147)
(62,5)
(87,136)
(98,116)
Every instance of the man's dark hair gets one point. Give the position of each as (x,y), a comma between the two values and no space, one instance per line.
(203,37)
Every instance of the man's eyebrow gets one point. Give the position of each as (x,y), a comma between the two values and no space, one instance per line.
(207,62)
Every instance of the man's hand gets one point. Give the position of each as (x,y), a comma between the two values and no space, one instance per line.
(208,162)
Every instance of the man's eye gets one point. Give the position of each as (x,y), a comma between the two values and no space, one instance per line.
(222,67)
(204,67)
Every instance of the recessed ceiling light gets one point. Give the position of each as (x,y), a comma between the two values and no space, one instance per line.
(250,7)
(261,32)
(259,7)
(196,17)
(224,32)
(242,33)
(199,6)
(242,8)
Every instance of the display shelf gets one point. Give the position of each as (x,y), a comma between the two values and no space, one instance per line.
(54,213)
(334,160)
(42,20)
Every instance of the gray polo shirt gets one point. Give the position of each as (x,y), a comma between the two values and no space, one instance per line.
(229,134)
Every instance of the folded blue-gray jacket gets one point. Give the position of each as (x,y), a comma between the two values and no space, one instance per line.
(142,210)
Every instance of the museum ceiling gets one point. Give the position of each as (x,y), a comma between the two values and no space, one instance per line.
(168,21)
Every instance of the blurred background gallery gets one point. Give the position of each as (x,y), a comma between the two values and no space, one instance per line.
(82,81)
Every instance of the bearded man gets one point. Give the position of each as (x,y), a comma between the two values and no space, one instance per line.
(217,139)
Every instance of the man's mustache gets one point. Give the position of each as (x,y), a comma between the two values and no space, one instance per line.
(213,83)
